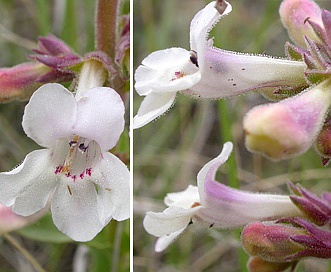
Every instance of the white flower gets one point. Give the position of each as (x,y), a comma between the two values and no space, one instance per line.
(214,204)
(88,185)
(206,71)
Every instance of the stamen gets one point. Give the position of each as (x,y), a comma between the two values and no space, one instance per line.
(82,147)
(194,58)
(195,204)
(75,157)
(69,189)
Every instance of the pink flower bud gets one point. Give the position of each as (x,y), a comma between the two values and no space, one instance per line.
(20,81)
(270,241)
(289,242)
(10,221)
(256,264)
(294,15)
(323,142)
(287,128)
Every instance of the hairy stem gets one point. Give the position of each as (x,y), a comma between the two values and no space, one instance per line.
(106,26)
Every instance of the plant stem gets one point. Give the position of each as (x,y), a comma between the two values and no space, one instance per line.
(24,252)
(106,26)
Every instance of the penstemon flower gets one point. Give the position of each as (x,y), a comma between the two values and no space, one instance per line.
(214,204)
(206,71)
(88,185)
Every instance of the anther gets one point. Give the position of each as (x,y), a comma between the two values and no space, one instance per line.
(82,147)
(194,58)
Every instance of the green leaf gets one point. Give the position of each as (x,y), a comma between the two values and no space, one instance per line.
(44,230)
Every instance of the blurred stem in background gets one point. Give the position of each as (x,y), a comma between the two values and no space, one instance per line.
(233,181)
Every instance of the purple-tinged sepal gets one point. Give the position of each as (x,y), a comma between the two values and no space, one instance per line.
(315,241)
(316,209)
(287,240)
(122,56)
(54,53)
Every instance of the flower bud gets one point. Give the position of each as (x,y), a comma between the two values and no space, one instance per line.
(20,81)
(323,142)
(289,242)
(270,241)
(10,221)
(294,15)
(287,128)
(256,264)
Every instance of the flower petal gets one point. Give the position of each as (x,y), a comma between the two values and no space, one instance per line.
(184,199)
(153,106)
(226,74)
(226,207)
(50,114)
(100,116)
(163,242)
(28,186)
(170,220)
(36,195)
(75,211)
(208,171)
(168,70)
(113,179)
(202,23)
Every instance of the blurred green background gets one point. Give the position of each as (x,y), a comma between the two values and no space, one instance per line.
(21,22)
(169,152)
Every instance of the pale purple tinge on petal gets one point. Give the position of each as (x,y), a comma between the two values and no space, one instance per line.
(20,81)
(202,23)
(208,171)
(100,116)
(50,114)
(113,180)
(294,15)
(287,128)
(227,74)
(225,207)
(152,107)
